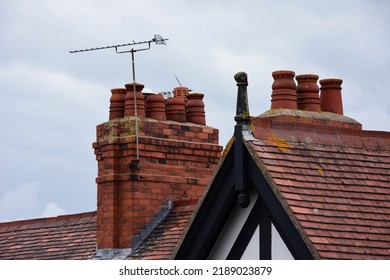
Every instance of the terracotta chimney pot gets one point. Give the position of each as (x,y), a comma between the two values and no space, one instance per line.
(284,94)
(331,100)
(307,93)
(117,103)
(129,100)
(176,109)
(155,107)
(195,109)
(181,92)
(147,92)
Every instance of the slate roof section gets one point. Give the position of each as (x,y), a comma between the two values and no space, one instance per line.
(162,241)
(67,237)
(333,181)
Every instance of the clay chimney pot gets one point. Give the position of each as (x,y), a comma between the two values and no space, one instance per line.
(284,95)
(195,109)
(176,109)
(331,100)
(117,103)
(181,92)
(155,107)
(129,100)
(307,93)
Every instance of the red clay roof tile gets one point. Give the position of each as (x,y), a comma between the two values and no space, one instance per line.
(336,182)
(62,237)
(161,243)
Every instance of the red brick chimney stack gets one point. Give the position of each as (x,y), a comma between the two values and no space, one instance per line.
(176,162)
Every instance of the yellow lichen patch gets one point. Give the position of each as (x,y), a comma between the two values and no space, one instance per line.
(244,115)
(321,171)
(251,124)
(228,146)
(120,128)
(280,143)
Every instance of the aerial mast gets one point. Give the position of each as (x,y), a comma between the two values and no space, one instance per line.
(143,46)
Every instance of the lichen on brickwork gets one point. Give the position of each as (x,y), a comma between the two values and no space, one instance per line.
(280,143)
(251,123)
(120,129)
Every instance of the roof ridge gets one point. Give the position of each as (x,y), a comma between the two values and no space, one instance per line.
(47,219)
(303,114)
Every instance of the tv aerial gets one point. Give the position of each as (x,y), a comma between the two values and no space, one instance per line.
(177,79)
(142,46)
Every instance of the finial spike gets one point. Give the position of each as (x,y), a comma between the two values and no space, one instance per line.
(242,107)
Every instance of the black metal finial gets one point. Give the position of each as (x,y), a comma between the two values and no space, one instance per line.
(242,107)
(242,118)
(241,78)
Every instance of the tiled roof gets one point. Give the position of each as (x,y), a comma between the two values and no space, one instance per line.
(334,182)
(63,237)
(162,241)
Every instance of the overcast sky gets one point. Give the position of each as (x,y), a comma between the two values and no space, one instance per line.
(51,100)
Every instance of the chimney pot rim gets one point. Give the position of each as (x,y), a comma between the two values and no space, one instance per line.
(139,86)
(287,73)
(195,94)
(328,81)
(302,77)
(181,87)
